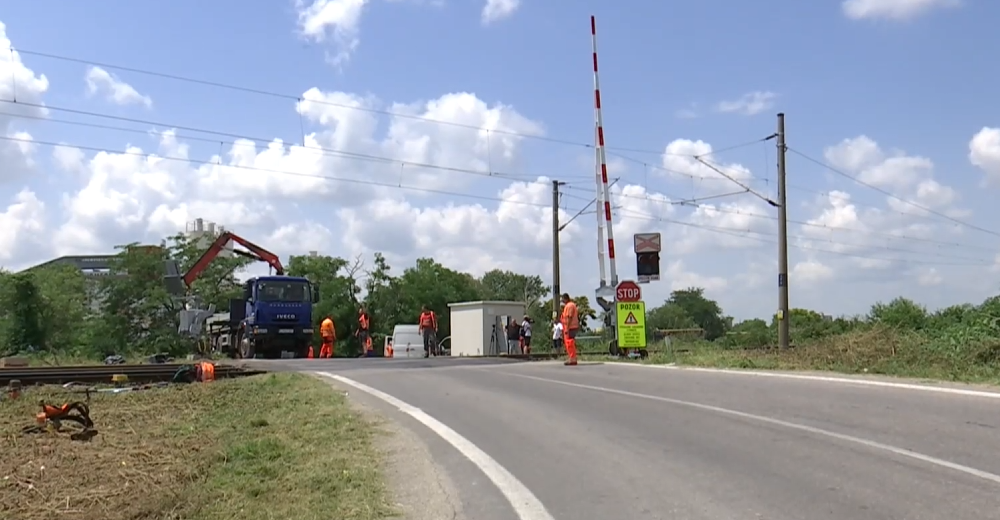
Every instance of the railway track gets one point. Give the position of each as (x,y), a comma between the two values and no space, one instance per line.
(105,373)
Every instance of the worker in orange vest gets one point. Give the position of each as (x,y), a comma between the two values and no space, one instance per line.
(364,332)
(571,325)
(329,335)
(428,329)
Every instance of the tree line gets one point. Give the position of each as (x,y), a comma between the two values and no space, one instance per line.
(55,308)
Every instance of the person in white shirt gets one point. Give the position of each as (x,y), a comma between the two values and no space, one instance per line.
(526,336)
(557,336)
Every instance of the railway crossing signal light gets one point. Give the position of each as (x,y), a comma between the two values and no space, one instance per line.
(647,265)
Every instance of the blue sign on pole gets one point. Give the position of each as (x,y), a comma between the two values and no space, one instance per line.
(782,280)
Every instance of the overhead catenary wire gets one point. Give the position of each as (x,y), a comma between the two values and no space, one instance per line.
(298,97)
(320,150)
(893,195)
(736,232)
(695,204)
(189,160)
(744,233)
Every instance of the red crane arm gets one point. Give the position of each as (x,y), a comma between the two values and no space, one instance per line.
(256,252)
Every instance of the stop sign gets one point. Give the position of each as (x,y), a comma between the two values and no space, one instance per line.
(628,291)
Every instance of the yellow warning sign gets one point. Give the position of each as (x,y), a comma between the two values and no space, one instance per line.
(631,324)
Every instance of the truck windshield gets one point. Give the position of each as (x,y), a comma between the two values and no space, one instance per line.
(281,291)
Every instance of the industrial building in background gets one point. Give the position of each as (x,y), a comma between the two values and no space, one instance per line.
(205,232)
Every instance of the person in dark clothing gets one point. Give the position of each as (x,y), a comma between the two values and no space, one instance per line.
(513,336)
(526,335)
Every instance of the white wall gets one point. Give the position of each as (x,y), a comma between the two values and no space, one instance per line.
(466,331)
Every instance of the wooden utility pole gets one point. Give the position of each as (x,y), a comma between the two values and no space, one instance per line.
(783,310)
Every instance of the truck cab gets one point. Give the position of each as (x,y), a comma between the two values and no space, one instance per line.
(277,315)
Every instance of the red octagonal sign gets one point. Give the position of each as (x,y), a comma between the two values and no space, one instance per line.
(628,291)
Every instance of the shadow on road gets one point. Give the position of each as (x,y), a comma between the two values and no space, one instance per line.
(347,364)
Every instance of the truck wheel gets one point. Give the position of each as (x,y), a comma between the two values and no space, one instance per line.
(241,348)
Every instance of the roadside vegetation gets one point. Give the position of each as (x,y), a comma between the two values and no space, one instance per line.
(262,447)
(898,338)
(55,315)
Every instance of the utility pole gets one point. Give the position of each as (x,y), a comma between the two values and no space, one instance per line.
(556,291)
(783,311)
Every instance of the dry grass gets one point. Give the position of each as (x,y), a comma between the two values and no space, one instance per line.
(876,350)
(280,446)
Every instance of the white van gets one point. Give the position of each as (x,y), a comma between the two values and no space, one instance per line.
(407,342)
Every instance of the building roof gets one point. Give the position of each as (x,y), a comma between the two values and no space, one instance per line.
(82,262)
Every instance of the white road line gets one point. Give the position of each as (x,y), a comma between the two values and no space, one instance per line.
(827,379)
(526,505)
(778,422)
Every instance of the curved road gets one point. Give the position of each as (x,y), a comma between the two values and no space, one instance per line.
(539,441)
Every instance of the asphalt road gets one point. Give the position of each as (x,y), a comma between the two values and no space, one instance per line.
(612,442)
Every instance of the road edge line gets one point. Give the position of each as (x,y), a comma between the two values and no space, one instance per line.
(826,379)
(526,505)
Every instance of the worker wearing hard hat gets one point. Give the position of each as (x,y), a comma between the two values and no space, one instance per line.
(329,334)
(571,325)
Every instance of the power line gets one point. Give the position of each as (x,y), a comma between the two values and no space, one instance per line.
(319,150)
(892,195)
(273,171)
(298,98)
(743,233)
(804,223)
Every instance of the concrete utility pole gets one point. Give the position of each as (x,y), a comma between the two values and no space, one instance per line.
(783,311)
(556,291)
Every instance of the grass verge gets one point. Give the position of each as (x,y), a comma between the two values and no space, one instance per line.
(276,446)
(876,350)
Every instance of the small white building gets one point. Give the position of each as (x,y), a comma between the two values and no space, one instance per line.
(478,328)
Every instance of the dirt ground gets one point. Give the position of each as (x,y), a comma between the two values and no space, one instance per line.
(280,446)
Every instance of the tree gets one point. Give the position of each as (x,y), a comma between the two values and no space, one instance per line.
(138,314)
(508,286)
(434,285)
(703,311)
(65,311)
(338,288)
(25,307)
(668,316)
(382,296)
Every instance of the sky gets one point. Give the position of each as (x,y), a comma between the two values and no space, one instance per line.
(436,127)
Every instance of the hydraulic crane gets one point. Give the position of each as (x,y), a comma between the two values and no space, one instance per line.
(274,314)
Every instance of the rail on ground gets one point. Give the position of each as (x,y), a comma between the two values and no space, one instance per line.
(51,375)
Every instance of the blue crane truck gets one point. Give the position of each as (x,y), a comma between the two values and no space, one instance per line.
(274,314)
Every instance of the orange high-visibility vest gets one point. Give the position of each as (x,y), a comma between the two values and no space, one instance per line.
(428,320)
(363,321)
(570,317)
(326,329)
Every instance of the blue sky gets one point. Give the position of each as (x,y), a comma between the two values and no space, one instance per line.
(917,83)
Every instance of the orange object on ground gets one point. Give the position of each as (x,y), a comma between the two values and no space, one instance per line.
(206,372)
(571,325)
(388,351)
(309,354)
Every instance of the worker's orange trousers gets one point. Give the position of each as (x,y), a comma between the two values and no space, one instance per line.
(326,349)
(569,341)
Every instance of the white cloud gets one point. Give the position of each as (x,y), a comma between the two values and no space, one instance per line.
(338,21)
(984,152)
(749,104)
(102,82)
(811,273)
(896,10)
(496,10)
